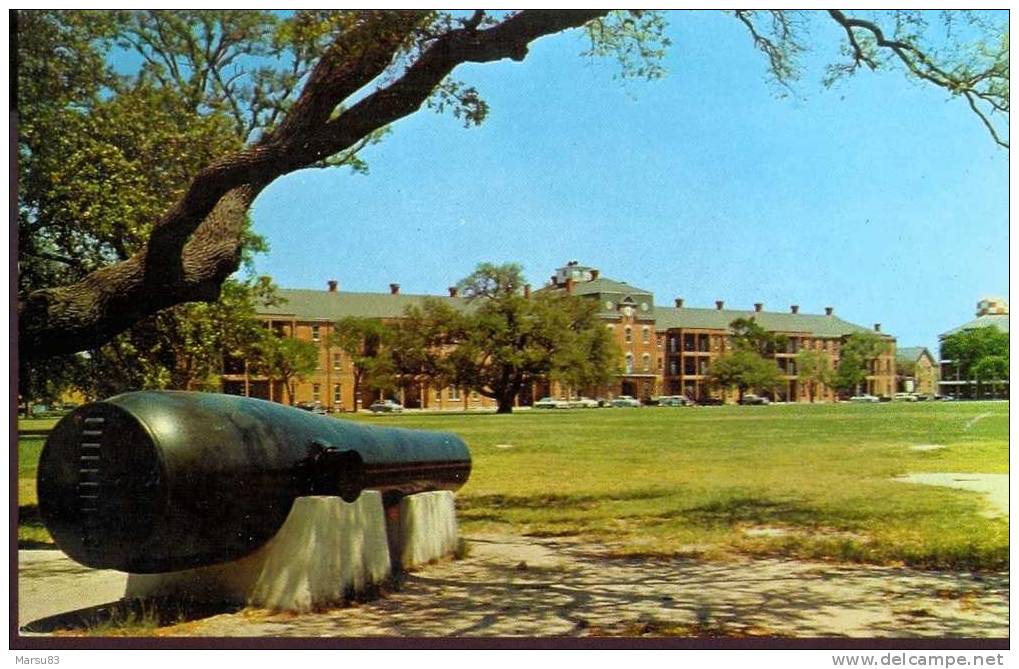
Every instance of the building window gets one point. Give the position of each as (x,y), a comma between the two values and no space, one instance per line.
(337,361)
(661,363)
(337,393)
(673,368)
(629,363)
(314,333)
(316,393)
(646,358)
(645,334)
(628,335)
(454,393)
(673,343)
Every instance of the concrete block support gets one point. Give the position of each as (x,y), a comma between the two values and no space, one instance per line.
(427,528)
(326,550)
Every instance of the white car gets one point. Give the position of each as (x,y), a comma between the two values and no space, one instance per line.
(385,406)
(551,403)
(674,401)
(625,401)
(864,398)
(905,397)
(585,403)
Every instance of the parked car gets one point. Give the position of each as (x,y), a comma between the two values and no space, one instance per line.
(864,398)
(751,399)
(905,397)
(385,406)
(313,407)
(709,402)
(585,403)
(674,401)
(625,401)
(944,398)
(551,403)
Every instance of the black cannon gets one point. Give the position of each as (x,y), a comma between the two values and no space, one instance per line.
(154,481)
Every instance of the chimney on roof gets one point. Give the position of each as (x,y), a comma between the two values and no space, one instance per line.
(394,289)
(794,309)
(679,302)
(828,311)
(719,304)
(527,291)
(758,306)
(877,327)
(594,274)
(332,285)
(453,291)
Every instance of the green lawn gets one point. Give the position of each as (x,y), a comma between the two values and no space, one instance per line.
(805,480)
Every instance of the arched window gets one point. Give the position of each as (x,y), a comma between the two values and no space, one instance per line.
(646,359)
(645,334)
(629,334)
(629,363)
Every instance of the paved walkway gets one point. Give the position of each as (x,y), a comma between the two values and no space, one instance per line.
(523,586)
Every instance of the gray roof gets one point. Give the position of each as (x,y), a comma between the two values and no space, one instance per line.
(719,319)
(323,305)
(999,321)
(911,353)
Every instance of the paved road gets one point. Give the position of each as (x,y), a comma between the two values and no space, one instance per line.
(50,583)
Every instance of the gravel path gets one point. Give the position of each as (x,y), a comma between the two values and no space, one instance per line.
(523,586)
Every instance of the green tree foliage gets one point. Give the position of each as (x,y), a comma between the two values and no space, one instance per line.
(419,343)
(858,352)
(504,341)
(364,341)
(285,359)
(312,88)
(747,335)
(991,370)
(744,370)
(814,370)
(979,354)
(101,156)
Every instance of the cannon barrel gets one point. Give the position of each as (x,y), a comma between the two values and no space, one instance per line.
(159,481)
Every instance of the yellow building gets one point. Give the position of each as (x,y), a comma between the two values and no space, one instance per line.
(916,370)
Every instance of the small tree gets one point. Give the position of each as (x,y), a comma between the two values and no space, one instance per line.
(363,340)
(990,369)
(814,369)
(744,370)
(859,350)
(747,335)
(286,359)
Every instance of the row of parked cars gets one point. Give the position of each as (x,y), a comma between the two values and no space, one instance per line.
(621,401)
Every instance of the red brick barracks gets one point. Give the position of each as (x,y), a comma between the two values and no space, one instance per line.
(666,350)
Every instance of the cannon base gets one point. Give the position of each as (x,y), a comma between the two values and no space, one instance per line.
(425,530)
(327,552)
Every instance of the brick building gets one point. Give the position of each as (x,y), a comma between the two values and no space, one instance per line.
(917,371)
(665,350)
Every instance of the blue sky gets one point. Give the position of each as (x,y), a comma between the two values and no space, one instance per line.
(880,197)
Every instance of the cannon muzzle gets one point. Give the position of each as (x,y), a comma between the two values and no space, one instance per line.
(159,481)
